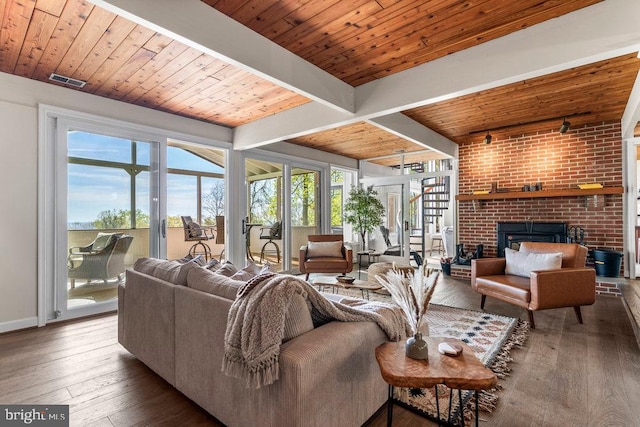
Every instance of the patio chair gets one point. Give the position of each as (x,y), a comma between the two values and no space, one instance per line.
(194,232)
(270,234)
(394,250)
(95,262)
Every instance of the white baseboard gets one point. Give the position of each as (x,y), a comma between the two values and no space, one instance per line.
(15,325)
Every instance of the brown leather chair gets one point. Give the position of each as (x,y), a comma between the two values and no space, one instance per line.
(318,262)
(573,285)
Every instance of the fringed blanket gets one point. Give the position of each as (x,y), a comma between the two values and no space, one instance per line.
(255,324)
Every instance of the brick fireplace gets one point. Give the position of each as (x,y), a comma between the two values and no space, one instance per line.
(591,153)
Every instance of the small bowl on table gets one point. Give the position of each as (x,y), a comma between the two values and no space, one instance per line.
(345,279)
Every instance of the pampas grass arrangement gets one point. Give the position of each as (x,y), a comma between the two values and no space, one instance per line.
(412,293)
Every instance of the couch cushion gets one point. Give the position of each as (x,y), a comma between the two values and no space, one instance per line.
(324,249)
(523,263)
(513,289)
(207,281)
(169,271)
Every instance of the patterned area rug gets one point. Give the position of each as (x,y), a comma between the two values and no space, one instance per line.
(491,337)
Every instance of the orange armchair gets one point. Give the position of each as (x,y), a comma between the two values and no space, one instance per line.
(573,285)
(325,253)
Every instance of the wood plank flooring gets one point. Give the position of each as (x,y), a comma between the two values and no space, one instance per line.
(566,374)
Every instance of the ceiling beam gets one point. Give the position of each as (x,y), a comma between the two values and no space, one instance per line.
(601,31)
(595,33)
(202,27)
(405,127)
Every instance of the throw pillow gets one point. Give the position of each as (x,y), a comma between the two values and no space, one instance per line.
(275,231)
(186,258)
(324,249)
(523,263)
(207,281)
(247,273)
(227,269)
(169,271)
(102,241)
(213,264)
(194,229)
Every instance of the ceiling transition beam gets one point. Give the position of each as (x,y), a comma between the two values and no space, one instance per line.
(601,31)
(202,27)
(405,127)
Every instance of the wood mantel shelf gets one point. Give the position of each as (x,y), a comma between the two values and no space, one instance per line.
(541,194)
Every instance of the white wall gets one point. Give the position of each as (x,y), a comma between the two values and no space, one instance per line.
(18,215)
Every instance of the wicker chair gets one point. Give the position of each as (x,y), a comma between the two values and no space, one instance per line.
(95,261)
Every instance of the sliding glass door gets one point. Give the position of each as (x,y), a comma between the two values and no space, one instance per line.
(107,201)
(283,208)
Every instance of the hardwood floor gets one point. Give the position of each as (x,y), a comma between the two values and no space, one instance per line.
(566,374)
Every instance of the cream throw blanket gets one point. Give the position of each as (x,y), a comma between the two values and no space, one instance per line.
(255,324)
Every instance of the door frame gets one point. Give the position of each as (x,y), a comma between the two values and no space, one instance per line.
(288,162)
(630,206)
(404,181)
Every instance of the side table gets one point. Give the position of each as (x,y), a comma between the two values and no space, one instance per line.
(372,257)
(463,372)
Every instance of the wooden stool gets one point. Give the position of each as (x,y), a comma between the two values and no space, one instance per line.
(437,237)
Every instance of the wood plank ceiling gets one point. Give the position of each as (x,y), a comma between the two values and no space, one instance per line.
(357,41)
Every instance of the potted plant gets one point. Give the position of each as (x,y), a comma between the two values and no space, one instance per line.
(364,211)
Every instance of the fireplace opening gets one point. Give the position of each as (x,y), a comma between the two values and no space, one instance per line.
(511,234)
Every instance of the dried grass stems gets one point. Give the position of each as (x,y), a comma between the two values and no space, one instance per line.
(412,293)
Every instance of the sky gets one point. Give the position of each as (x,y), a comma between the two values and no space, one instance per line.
(93,189)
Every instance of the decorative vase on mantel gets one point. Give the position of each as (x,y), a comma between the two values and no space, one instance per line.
(417,348)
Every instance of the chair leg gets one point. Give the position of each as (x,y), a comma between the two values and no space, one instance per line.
(578,313)
(482,301)
(307,277)
(73,283)
(206,250)
(277,251)
(533,324)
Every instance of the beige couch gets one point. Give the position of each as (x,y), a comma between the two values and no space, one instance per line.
(328,375)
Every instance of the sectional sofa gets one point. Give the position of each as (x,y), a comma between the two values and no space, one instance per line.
(173,317)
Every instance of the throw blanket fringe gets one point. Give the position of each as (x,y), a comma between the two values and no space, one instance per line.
(255,323)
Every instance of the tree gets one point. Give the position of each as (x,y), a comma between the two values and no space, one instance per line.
(363,210)
(120,219)
(213,202)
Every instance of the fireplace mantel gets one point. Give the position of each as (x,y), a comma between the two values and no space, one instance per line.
(542,193)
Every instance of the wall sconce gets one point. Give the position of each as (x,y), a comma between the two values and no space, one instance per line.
(487,138)
(565,126)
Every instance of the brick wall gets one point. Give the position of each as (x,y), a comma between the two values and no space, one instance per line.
(590,153)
